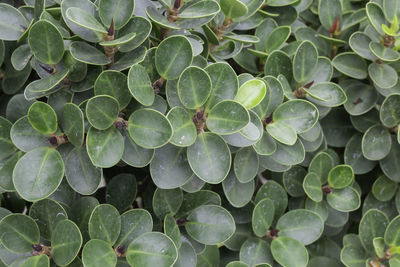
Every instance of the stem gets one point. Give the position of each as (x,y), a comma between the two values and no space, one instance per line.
(158,84)
(40,249)
(221,30)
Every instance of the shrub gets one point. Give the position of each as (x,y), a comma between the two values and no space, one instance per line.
(199,133)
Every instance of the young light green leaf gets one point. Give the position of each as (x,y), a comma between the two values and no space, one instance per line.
(251,93)
(42,118)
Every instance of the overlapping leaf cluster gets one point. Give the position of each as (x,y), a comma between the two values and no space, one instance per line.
(188,133)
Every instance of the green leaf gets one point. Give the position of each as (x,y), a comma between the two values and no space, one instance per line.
(382,75)
(340,176)
(305,61)
(152,249)
(25,137)
(376,143)
(301,115)
(359,42)
(233,8)
(224,83)
(391,234)
(350,64)
(312,186)
(46,42)
(84,52)
(171,229)
(345,200)
(169,168)
(38,173)
(194,87)
(104,148)
(356,91)
(289,155)
(384,189)
(167,201)
(172,56)
(73,124)
(113,83)
(20,57)
(102,111)
(263,216)
(140,86)
(84,19)
(12,23)
(256,252)
(149,128)
(105,223)
(138,25)
(282,132)
(326,94)
(390,163)
(274,191)
(47,213)
(266,146)
(18,233)
(303,225)
(45,86)
(245,164)
(42,118)
(199,9)
(251,93)
(6,171)
(81,209)
(6,143)
(210,158)
(135,155)
(376,16)
(277,38)
(390,111)
(292,181)
(66,242)
(237,193)
(98,253)
(328,11)
(289,252)
(35,261)
(227,117)
(384,53)
(373,224)
(78,166)
(237,264)
(210,224)
(117,12)
(121,191)
(134,223)
(184,130)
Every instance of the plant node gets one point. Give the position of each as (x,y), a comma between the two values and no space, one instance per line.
(326,189)
(40,249)
(120,251)
(158,84)
(57,140)
(388,40)
(199,120)
(120,123)
(272,233)
(300,92)
(181,222)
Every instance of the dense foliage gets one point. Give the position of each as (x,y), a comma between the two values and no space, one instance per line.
(199,133)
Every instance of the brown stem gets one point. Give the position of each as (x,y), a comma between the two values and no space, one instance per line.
(220,31)
(57,140)
(200,120)
(120,251)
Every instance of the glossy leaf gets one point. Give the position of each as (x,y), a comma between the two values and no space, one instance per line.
(13,23)
(194,87)
(251,93)
(305,62)
(152,249)
(38,173)
(140,86)
(98,252)
(210,224)
(105,223)
(263,216)
(149,128)
(289,252)
(102,111)
(46,42)
(116,12)
(172,56)
(340,176)
(66,242)
(210,158)
(43,118)
(19,233)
